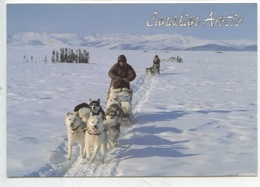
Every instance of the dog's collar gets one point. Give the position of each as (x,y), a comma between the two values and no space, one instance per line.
(113,114)
(77,129)
(90,133)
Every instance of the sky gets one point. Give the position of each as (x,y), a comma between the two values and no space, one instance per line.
(84,19)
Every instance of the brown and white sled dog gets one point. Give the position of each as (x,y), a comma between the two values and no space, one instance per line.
(112,123)
(75,130)
(95,137)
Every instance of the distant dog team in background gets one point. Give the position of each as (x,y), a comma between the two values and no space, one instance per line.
(155,69)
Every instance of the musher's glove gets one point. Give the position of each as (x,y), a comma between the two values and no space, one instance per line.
(118,78)
(125,79)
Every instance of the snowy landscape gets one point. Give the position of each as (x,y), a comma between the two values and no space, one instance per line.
(197,118)
(130,42)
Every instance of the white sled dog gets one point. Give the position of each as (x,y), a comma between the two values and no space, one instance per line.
(75,130)
(84,111)
(112,123)
(95,137)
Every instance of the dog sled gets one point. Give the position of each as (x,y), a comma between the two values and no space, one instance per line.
(123,98)
(174,59)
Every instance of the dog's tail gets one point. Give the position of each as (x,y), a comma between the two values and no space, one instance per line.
(127,108)
(79,106)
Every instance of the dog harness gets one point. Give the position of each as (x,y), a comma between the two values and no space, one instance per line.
(90,133)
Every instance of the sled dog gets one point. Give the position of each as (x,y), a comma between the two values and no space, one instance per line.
(96,108)
(112,123)
(151,71)
(124,96)
(113,99)
(95,137)
(84,111)
(75,130)
(81,105)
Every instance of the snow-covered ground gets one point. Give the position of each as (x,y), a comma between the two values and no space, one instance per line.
(198,118)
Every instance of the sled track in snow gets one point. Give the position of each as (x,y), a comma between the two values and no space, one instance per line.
(59,166)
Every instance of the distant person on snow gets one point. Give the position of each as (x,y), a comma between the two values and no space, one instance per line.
(156,63)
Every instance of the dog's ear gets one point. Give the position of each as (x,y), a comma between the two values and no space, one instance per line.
(89,101)
(69,113)
(98,101)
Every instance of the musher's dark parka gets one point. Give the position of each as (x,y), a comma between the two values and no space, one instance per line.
(121,73)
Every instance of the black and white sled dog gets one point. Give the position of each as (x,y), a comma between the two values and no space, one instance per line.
(96,108)
(112,123)
(85,109)
(151,71)
(75,131)
(96,138)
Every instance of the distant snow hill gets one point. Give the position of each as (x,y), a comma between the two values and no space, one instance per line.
(130,42)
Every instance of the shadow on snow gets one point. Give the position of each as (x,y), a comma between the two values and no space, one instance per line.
(153,146)
(154,152)
(159,116)
(156,129)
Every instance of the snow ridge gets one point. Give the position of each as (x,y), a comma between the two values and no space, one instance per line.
(130,42)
